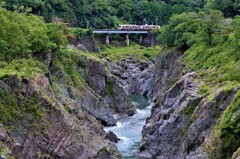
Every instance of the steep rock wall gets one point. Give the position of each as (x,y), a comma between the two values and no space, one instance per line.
(167,70)
(85,97)
(84,44)
(100,79)
(50,126)
(182,121)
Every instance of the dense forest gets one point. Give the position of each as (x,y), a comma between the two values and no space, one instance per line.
(103,14)
(108,14)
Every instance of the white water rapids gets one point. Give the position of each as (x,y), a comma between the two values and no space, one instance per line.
(129,129)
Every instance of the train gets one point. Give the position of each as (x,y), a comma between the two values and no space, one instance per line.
(138,27)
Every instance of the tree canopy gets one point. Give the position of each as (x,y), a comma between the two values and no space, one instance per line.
(23,34)
(105,14)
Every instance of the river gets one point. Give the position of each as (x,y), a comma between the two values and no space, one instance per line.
(129,129)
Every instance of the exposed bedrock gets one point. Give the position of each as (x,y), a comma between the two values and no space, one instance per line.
(108,86)
(84,44)
(136,75)
(162,133)
(58,128)
(86,97)
(167,70)
(182,121)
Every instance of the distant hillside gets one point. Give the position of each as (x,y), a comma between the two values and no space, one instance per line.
(104,14)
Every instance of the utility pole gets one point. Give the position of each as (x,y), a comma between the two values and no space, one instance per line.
(157,20)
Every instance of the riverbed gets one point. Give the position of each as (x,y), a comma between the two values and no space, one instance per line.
(129,129)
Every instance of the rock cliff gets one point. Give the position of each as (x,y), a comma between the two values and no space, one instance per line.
(48,125)
(51,112)
(184,121)
(106,84)
(58,110)
(135,75)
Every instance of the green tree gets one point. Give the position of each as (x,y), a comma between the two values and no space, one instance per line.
(56,35)
(209,31)
(235,37)
(12,40)
(24,35)
(104,14)
(230,8)
(180,30)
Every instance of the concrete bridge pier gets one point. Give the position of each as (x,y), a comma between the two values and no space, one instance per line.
(107,41)
(127,39)
(152,40)
(141,39)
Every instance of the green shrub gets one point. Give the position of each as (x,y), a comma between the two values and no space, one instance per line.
(80,32)
(22,68)
(229,129)
(23,35)
(71,64)
(109,87)
(188,110)
(135,51)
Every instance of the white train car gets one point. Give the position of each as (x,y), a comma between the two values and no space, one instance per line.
(138,27)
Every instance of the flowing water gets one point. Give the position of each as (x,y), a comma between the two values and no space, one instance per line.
(129,129)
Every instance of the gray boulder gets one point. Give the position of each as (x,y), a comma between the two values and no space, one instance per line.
(112,137)
(3,134)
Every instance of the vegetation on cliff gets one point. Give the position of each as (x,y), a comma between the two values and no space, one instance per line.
(209,38)
(212,49)
(39,80)
(24,35)
(135,51)
(211,43)
(228,129)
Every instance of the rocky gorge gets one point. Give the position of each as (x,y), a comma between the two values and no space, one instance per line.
(183,121)
(64,108)
(112,79)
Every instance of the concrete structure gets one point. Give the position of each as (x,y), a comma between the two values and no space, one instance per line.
(141,39)
(107,41)
(127,40)
(127,32)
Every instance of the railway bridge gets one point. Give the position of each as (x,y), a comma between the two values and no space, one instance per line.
(126,32)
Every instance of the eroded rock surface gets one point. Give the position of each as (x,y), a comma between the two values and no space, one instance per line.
(137,75)
(167,70)
(3,134)
(58,128)
(112,137)
(164,127)
(182,121)
(107,85)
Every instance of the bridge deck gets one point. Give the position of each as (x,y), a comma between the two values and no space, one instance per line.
(120,32)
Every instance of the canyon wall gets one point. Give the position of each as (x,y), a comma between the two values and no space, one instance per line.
(184,121)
